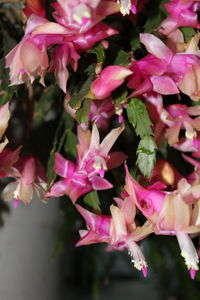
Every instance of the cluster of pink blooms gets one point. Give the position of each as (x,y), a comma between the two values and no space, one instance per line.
(170,202)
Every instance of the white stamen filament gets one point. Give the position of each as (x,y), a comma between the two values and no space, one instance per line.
(188,251)
(137,257)
(125,7)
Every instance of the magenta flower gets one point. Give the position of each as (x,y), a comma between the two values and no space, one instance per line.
(149,200)
(92,162)
(164,72)
(181,13)
(109,79)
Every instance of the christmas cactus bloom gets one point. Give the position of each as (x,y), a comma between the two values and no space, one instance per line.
(179,217)
(30,180)
(181,13)
(149,200)
(98,228)
(78,16)
(177,117)
(92,162)
(109,79)
(29,58)
(119,231)
(170,213)
(163,71)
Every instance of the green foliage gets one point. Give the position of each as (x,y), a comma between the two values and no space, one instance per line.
(79,96)
(92,199)
(83,112)
(156,15)
(70,144)
(45,103)
(188,33)
(99,52)
(139,118)
(58,142)
(123,58)
(146,152)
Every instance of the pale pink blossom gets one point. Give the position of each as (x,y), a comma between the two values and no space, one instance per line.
(30,180)
(119,231)
(170,212)
(177,117)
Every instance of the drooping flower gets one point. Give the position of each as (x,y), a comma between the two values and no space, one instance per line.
(177,117)
(92,162)
(119,231)
(30,181)
(170,212)
(29,58)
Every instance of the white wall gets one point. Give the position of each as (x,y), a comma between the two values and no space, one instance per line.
(27,240)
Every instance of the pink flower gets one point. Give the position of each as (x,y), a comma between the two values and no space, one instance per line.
(189,145)
(149,200)
(181,13)
(170,213)
(92,162)
(119,231)
(79,16)
(30,180)
(109,79)
(179,217)
(29,58)
(164,72)
(177,117)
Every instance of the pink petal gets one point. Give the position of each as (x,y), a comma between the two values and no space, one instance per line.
(164,85)
(63,167)
(156,47)
(99,183)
